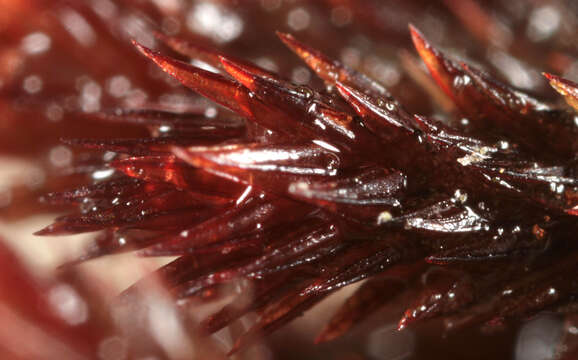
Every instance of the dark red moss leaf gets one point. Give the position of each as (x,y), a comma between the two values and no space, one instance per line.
(362,195)
(169,169)
(488,103)
(184,268)
(523,296)
(210,56)
(346,79)
(371,296)
(317,115)
(284,251)
(183,120)
(270,167)
(146,146)
(503,95)
(223,91)
(171,208)
(506,168)
(206,83)
(444,292)
(310,191)
(262,293)
(386,119)
(332,71)
(292,305)
(529,117)
(566,88)
(256,214)
(105,189)
(275,316)
(483,247)
(456,83)
(287,252)
(442,70)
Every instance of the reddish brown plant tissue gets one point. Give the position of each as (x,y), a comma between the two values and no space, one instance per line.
(293,192)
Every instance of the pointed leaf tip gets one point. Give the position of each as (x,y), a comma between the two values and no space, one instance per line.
(429,55)
(290,41)
(211,85)
(549,76)
(564,87)
(307,54)
(43,232)
(284,36)
(425,50)
(143,49)
(561,85)
(169,65)
(417,36)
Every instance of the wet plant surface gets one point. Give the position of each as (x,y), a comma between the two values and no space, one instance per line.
(452,196)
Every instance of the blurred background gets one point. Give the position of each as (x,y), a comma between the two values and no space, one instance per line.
(64,61)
